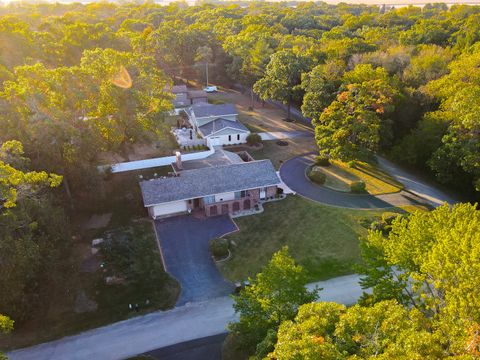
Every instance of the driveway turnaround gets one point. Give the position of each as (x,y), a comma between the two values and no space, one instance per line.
(186,256)
(292,173)
(164,328)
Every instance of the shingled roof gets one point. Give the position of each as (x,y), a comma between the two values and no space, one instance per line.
(219,124)
(194,94)
(202,182)
(179,89)
(206,110)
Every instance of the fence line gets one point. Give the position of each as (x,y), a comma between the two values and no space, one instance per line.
(160,161)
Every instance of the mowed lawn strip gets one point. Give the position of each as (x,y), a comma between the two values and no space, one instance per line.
(340,176)
(321,238)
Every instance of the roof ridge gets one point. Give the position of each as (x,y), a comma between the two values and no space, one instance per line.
(225,165)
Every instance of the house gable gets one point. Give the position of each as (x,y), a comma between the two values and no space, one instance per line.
(228,131)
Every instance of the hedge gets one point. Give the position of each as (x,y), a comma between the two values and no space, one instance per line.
(358,187)
(219,247)
(317,176)
(254,139)
(322,161)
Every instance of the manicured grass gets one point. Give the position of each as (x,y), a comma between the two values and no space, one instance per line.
(323,239)
(279,154)
(340,176)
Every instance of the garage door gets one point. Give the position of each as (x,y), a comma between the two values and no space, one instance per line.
(215,141)
(170,208)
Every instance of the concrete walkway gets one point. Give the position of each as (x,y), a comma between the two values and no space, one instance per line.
(164,328)
(278,135)
(292,173)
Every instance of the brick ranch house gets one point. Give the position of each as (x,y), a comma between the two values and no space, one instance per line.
(224,183)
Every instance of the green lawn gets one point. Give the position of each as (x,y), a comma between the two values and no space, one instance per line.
(323,239)
(279,154)
(340,176)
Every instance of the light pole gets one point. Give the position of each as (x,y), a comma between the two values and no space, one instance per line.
(206,71)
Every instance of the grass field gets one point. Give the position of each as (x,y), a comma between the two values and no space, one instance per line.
(340,176)
(323,239)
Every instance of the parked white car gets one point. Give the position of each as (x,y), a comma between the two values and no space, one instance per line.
(210,89)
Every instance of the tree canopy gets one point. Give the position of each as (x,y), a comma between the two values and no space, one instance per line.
(272,297)
(424,272)
(429,261)
(296,56)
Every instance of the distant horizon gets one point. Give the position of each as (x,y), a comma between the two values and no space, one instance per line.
(332,2)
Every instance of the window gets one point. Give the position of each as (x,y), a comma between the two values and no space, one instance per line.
(240,194)
(229,137)
(238,136)
(209,199)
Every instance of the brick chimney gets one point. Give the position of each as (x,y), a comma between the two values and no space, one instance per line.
(178,161)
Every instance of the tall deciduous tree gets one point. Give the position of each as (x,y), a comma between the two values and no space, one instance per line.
(32,230)
(351,126)
(385,330)
(459,94)
(282,78)
(6,326)
(435,256)
(321,86)
(273,297)
(14,182)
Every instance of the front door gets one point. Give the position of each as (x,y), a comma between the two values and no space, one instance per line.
(263,194)
(224,209)
(196,203)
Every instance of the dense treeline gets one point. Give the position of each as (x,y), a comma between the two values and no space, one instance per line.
(402,81)
(77,80)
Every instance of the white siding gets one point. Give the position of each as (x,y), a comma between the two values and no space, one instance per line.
(225,140)
(170,208)
(225,197)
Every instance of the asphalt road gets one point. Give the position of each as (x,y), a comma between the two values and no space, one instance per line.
(208,348)
(165,328)
(417,185)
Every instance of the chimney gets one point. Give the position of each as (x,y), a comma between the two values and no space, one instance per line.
(178,156)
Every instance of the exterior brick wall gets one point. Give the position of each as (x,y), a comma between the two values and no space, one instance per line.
(231,206)
(271,191)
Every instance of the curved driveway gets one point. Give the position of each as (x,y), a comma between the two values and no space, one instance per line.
(292,173)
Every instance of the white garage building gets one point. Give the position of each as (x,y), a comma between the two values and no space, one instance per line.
(218,124)
(224,132)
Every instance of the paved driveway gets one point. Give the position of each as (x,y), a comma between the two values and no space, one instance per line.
(292,173)
(184,245)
